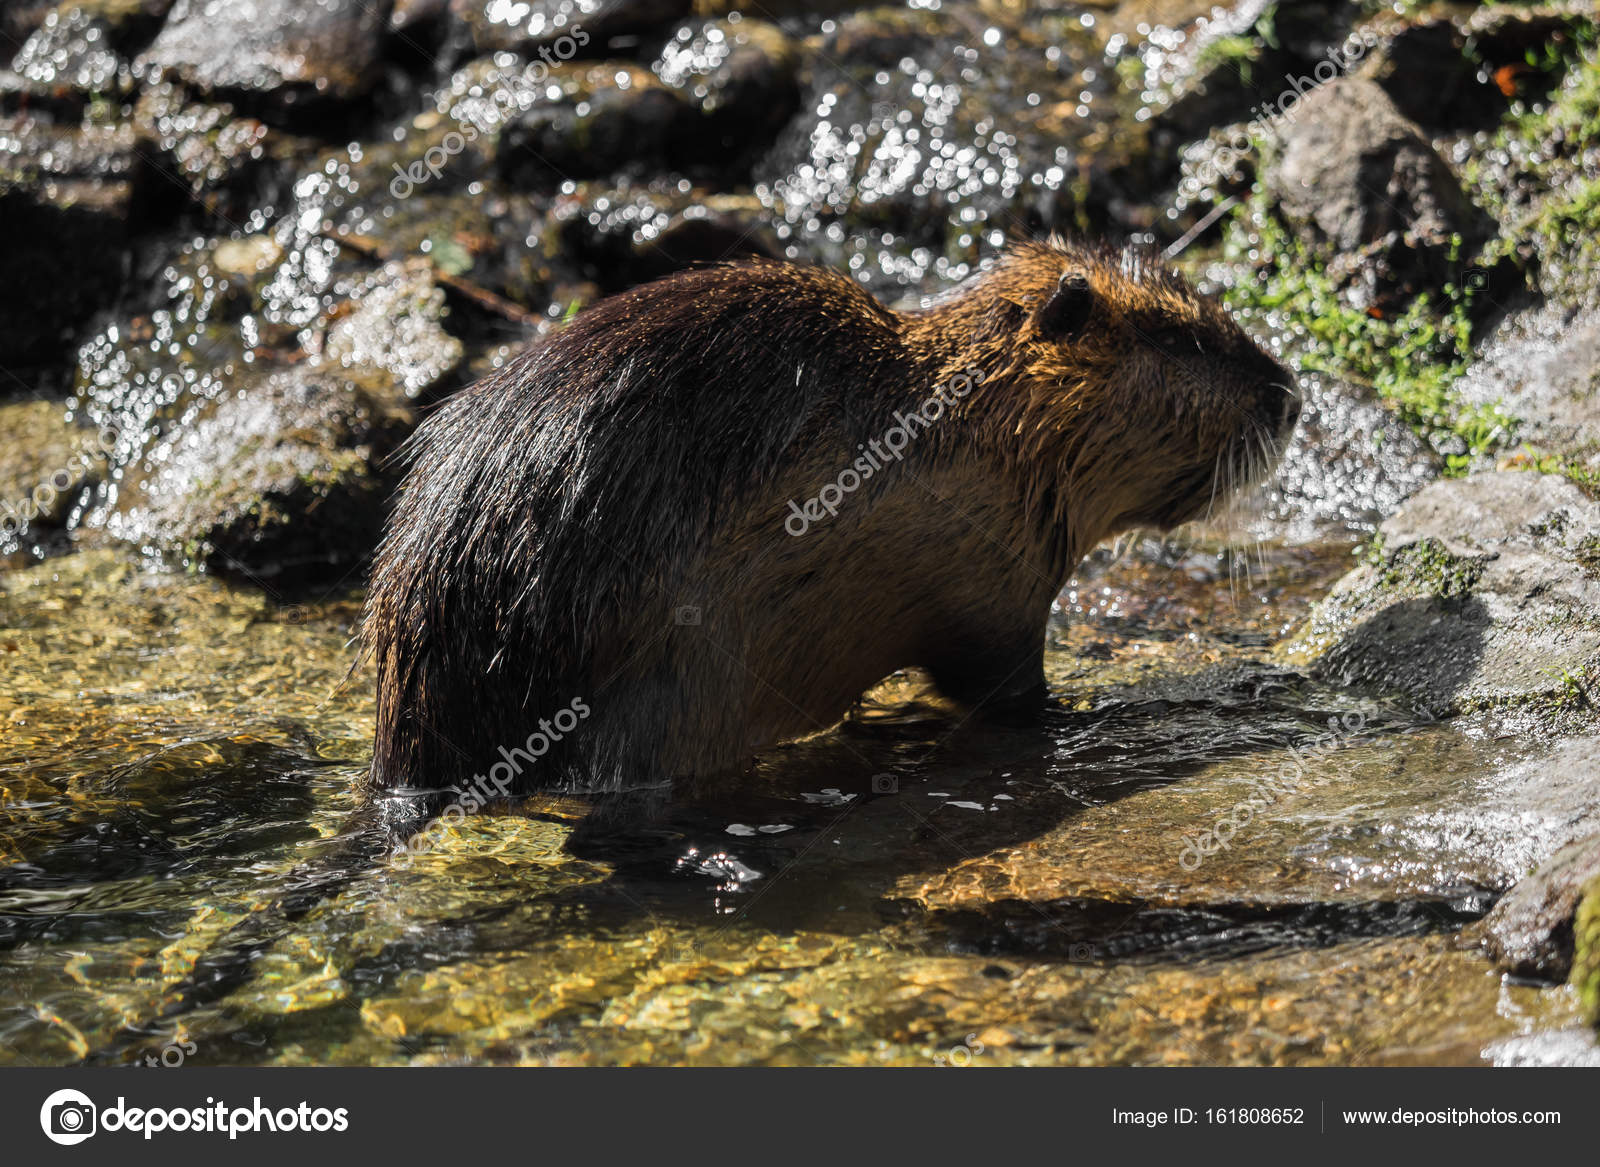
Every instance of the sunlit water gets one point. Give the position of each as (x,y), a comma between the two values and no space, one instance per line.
(910,887)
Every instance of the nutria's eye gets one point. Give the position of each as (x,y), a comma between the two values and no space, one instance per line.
(1173,341)
(1067,310)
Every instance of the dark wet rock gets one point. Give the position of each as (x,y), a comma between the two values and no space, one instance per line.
(410,14)
(1351,463)
(615,237)
(608,119)
(1252,64)
(589,25)
(743,77)
(1427,73)
(71,203)
(277,481)
(68,60)
(280,54)
(255,431)
(1483,590)
(46,462)
(395,326)
(217,153)
(19,19)
(1530,931)
(923,138)
(1542,368)
(1362,185)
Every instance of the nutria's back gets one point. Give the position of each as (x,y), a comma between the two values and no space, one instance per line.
(711,511)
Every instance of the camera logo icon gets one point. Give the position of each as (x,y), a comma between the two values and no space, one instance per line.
(68,1117)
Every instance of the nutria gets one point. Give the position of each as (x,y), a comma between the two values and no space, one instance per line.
(710,512)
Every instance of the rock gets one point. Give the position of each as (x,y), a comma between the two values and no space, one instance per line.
(71,201)
(1530,932)
(280,54)
(68,60)
(1542,367)
(924,137)
(1308,825)
(208,146)
(409,14)
(277,480)
(1362,185)
(1483,590)
(20,18)
(607,119)
(542,23)
(1425,70)
(395,327)
(1248,63)
(618,236)
(45,464)
(743,77)
(273,462)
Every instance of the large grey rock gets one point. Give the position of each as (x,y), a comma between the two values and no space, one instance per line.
(1530,933)
(1483,591)
(1543,368)
(1363,185)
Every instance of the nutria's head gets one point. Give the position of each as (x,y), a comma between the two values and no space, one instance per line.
(1139,400)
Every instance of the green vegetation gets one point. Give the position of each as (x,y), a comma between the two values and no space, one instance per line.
(1586,959)
(1237,52)
(1539,174)
(1410,359)
(1426,568)
(1575,469)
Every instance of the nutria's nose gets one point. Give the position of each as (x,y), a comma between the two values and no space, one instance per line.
(1291,408)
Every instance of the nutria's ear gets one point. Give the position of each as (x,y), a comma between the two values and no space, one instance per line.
(1067,310)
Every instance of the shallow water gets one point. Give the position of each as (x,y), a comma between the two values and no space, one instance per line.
(908,888)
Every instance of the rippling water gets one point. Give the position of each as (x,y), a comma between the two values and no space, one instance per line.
(906,888)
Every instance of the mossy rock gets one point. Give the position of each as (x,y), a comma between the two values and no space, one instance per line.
(1586,957)
(1478,592)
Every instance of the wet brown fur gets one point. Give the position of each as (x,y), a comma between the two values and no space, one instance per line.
(604,519)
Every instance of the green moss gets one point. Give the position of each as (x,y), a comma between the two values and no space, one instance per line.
(1586,958)
(1425,567)
(1236,52)
(1411,359)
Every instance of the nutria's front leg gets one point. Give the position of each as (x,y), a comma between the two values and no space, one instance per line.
(1000,676)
